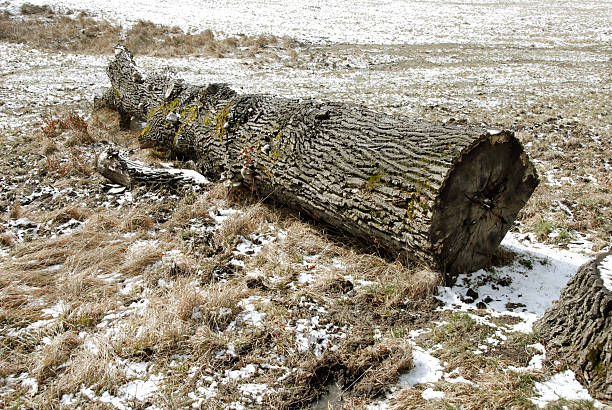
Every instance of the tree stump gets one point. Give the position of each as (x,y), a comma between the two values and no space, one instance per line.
(578,327)
(444,194)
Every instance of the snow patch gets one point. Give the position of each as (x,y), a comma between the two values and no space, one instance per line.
(220,215)
(140,389)
(32,384)
(195,176)
(203,393)
(524,289)
(56,310)
(310,334)
(250,246)
(427,369)
(243,373)
(130,284)
(255,391)
(455,377)
(561,386)
(431,394)
(605,270)
(249,315)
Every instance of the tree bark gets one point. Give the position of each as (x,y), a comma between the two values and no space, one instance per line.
(443,194)
(118,168)
(578,327)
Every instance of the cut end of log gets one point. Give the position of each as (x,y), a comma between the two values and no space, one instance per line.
(481,198)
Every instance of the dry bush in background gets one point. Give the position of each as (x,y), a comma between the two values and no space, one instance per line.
(45,28)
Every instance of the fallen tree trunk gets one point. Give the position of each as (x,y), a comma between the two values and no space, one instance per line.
(444,194)
(578,327)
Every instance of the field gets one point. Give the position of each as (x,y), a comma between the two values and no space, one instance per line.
(207,297)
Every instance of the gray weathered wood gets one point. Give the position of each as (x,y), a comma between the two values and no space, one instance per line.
(443,194)
(578,328)
(118,168)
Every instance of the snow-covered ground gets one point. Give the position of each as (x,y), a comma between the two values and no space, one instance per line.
(35,82)
(528,286)
(371,21)
(524,290)
(405,84)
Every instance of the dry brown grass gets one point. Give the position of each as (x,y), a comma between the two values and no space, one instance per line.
(360,367)
(48,147)
(69,212)
(219,190)
(146,38)
(7,239)
(372,370)
(83,249)
(299,240)
(188,209)
(96,369)
(255,218)
(56,353)
(54,126)
(398,284)
(158,330)
(496,386)
(99,247)
(219,302)
(48,29)
(574,157)
(15,211)
(80,284)
(68,164)
(104,126)
(16,351)
(56,32)
(65,143)
(28,9)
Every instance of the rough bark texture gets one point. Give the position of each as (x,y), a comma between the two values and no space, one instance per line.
(578,327)
(444,194)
